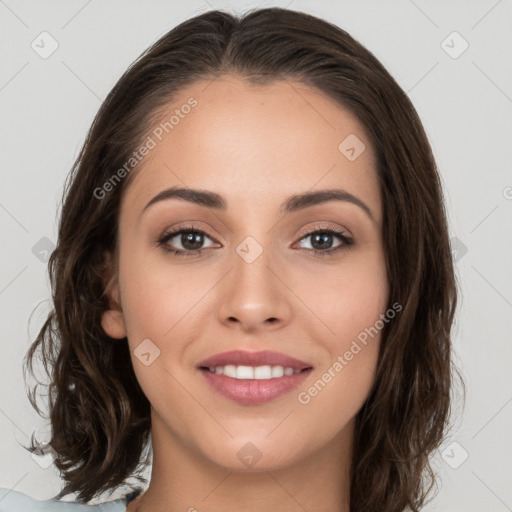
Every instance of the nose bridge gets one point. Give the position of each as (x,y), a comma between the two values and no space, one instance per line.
(252,279)
(252,295)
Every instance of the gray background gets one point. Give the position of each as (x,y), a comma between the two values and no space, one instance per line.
(47,104)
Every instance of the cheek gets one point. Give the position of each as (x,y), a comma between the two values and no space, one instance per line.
(158,305)
(155,297)
(344,379)
(353,306)
(353,296)
(166,306)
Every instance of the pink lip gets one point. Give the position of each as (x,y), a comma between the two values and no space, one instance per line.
(262,358)
(254,391)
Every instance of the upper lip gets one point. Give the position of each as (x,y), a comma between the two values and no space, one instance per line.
(262,358)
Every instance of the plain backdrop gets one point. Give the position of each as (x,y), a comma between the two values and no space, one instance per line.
(453,60)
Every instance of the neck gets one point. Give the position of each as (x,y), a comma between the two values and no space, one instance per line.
(182,479)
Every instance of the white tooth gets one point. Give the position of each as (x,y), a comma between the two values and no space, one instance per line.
(262,372)
(244,372)
(250,372)
(277,371)
(230,370)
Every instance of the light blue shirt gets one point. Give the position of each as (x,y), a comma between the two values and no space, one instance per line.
(14,501)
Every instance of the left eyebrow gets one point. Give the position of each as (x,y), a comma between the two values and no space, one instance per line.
(307,199)
(293,204)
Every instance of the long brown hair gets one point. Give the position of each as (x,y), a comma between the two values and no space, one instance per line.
(100,417)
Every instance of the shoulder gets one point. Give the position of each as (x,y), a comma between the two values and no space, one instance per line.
(15,501)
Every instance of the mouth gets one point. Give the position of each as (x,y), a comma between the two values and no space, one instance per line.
(254,377)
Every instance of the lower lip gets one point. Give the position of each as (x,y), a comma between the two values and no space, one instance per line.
(254,391)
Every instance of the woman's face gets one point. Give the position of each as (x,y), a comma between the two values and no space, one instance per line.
(255,278)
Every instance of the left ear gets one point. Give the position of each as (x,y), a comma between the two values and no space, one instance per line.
(112,319)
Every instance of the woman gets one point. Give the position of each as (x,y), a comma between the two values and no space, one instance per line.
(253,280)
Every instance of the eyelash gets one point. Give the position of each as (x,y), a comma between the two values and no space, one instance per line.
(162,242)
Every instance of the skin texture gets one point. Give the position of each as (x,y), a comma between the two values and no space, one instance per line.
(255,146)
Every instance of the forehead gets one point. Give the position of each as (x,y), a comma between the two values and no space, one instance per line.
(257,143)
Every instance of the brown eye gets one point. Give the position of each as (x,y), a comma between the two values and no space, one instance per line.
(322,241)
(186,241)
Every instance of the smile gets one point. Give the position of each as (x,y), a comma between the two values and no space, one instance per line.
(252,378)
(251,372)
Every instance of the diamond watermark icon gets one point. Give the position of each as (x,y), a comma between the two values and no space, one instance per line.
(459,249)
(454,45)
(249,455)
(44,45)
(454,455)
(43,249)
(249,249)
(351,147)
(146,352)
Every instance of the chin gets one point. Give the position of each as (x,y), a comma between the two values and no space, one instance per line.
(246,455)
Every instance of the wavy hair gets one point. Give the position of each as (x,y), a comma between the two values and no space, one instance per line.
(100,417)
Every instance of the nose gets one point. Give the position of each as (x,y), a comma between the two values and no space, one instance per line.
(254,296)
